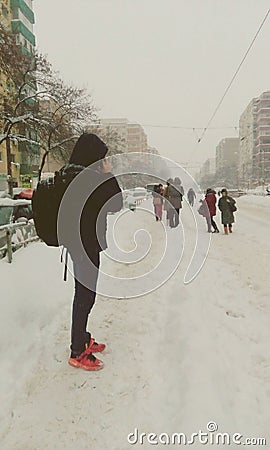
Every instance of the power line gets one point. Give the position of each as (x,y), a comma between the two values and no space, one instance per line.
(180,127)
(187,128)
(234,76)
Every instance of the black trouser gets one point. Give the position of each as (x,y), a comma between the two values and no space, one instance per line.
(84,299)
(214,225)
(210,221)
(174,217)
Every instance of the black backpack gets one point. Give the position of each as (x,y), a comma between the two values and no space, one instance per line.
(46,201)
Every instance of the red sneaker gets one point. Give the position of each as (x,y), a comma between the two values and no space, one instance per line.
(94,347)
(86,361)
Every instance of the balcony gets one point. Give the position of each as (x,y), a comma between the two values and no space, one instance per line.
(263,109)
(263,127)
(261,156)
(264,146)
(263,139)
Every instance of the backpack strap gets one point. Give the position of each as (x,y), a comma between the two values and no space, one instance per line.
(65,262)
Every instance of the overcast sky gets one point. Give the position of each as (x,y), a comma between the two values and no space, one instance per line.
(161,62)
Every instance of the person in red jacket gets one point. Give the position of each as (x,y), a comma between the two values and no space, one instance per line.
(211,201)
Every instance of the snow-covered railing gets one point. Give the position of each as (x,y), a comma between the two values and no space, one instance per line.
(16,235)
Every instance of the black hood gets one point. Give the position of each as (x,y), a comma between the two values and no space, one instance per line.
(88,149)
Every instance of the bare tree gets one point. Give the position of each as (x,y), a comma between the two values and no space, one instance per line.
(114,141)
(13,62)
(45,103)
(40,111)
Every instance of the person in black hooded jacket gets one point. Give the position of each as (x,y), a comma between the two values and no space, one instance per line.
(105,197)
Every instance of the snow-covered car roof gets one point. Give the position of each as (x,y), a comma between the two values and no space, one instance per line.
(16,191)
(11,202)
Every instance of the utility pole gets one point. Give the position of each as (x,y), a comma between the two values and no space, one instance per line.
(8,154)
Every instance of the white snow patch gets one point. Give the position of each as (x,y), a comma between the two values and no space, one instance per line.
(176,359)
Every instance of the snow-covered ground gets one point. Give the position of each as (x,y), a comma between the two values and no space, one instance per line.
(177,358)
(259,190)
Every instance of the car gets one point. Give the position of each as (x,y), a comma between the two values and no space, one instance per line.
(126,193)
(19,193)
(150,187)
(139,193)
(16,192)
(130,202)
(12,211)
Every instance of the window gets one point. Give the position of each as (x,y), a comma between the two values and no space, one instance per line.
(15,13)
(12,157)
(1,158)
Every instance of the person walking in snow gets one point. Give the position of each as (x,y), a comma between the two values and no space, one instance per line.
(227,207)
(161,189)
(211,201)
(105,197)
(178,184)
(191,196)
(166,203)
(175,194)
(158,201)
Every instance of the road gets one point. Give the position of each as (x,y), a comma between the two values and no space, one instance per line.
(177,358)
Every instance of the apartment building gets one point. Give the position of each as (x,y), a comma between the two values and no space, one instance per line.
(247,142)
(22,23)
(261,161)
(208,168)
(254,149)
(5,90)
(136,138)
(227,155)
(133,136)
(118,125)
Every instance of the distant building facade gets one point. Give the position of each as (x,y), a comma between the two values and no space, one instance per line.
(245,161)
(247,134)
(22,23)
(5,90)
(132,134)
(227,155)
(207,173)
(18,17)
(254,150)
(261,164)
